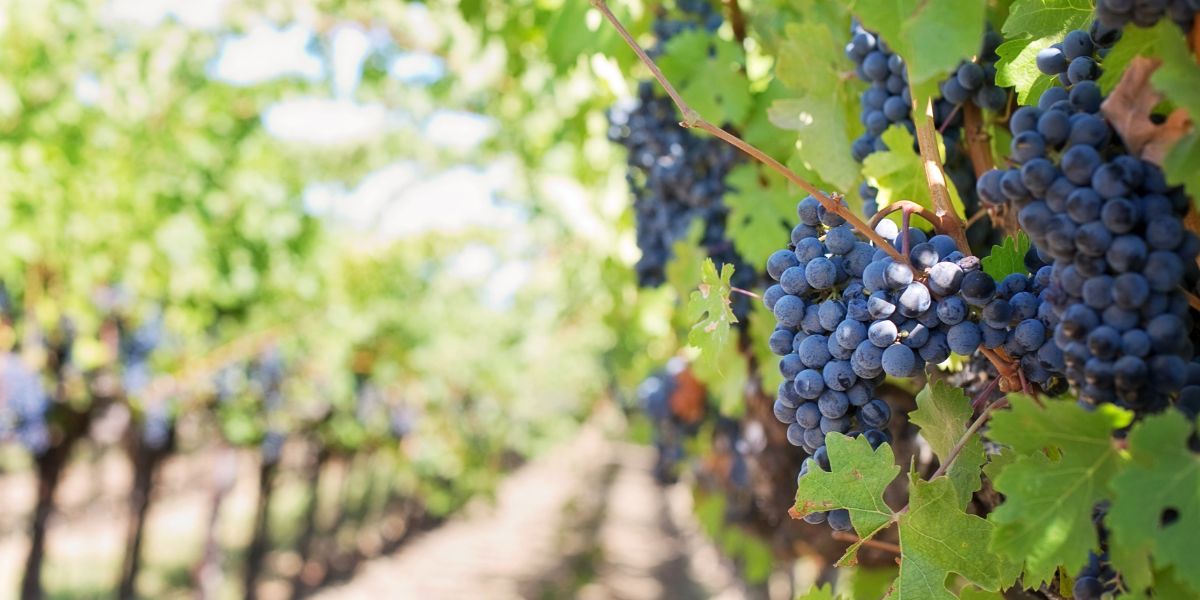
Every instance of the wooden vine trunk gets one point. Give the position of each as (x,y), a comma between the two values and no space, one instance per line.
(49,472)
(256,552)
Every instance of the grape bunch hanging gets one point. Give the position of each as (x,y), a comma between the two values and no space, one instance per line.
(676,177)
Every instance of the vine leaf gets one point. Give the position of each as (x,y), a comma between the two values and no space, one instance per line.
(943,412)
(811,64)
(760,206)
(720,365)
(1156,500)
(937,538)
(1033,25)
(1129,106)
(1065,458)
(708,73)
(899,174)
(1007,258)
(855,482)
(931,35)
(824,592)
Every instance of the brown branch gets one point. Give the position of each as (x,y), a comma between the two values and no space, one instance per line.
(936,178)
(907,206)
(846,536)
(979,215)
(1193,301)
(692,119)
(737,20)
(979,146)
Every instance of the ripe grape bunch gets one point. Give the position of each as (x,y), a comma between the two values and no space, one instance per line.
(676,177)
(848,315)
(888,100)
(1113,230)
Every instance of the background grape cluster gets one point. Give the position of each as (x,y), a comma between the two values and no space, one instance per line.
(676,177)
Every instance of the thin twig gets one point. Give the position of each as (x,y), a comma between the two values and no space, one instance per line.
(846,536)
(981,397)
(739,290)
(979,214)
(950,118)
(966,437)
(936,179)
(911,207)
(692,119)
(737,20)
(905,222)
(979,146)
(1193,301)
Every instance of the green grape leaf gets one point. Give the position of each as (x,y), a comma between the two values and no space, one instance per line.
(762,325)
(1017,68)
(1156,498)
(811,64)
(720,365)
(943,413)
(1134,41)
(823,592)
(707,71)
(933,36)
(973,593)
(709,308)
(1182,165)
(1178,78)
(760,206)
(1007,258)
(687,260)
(1045,17)
(856,483)
(1046,518)
(871,582)
(899,174)
(1031,26)
(937,538)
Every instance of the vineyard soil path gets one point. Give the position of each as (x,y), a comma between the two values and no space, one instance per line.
(586,520)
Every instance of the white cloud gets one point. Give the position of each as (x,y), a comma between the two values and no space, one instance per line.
(266,53)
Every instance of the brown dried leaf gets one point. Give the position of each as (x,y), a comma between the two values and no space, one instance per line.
(1129,106)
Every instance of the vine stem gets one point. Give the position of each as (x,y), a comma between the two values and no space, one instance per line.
(966,437)
(846,536)
(737,20)
(743,292)
(692,119)
(936,179)
(907,206)
(979,147)
(1193,301)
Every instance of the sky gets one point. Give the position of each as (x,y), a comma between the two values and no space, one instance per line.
(398,200)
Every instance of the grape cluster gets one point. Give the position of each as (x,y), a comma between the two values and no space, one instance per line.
(1096,579)
(675,177)
(1113,230)
(1077,58)
(24,404)
(975,81)
(654,398)
(849,315)
(888,100)
(1145,13)
(134,352)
